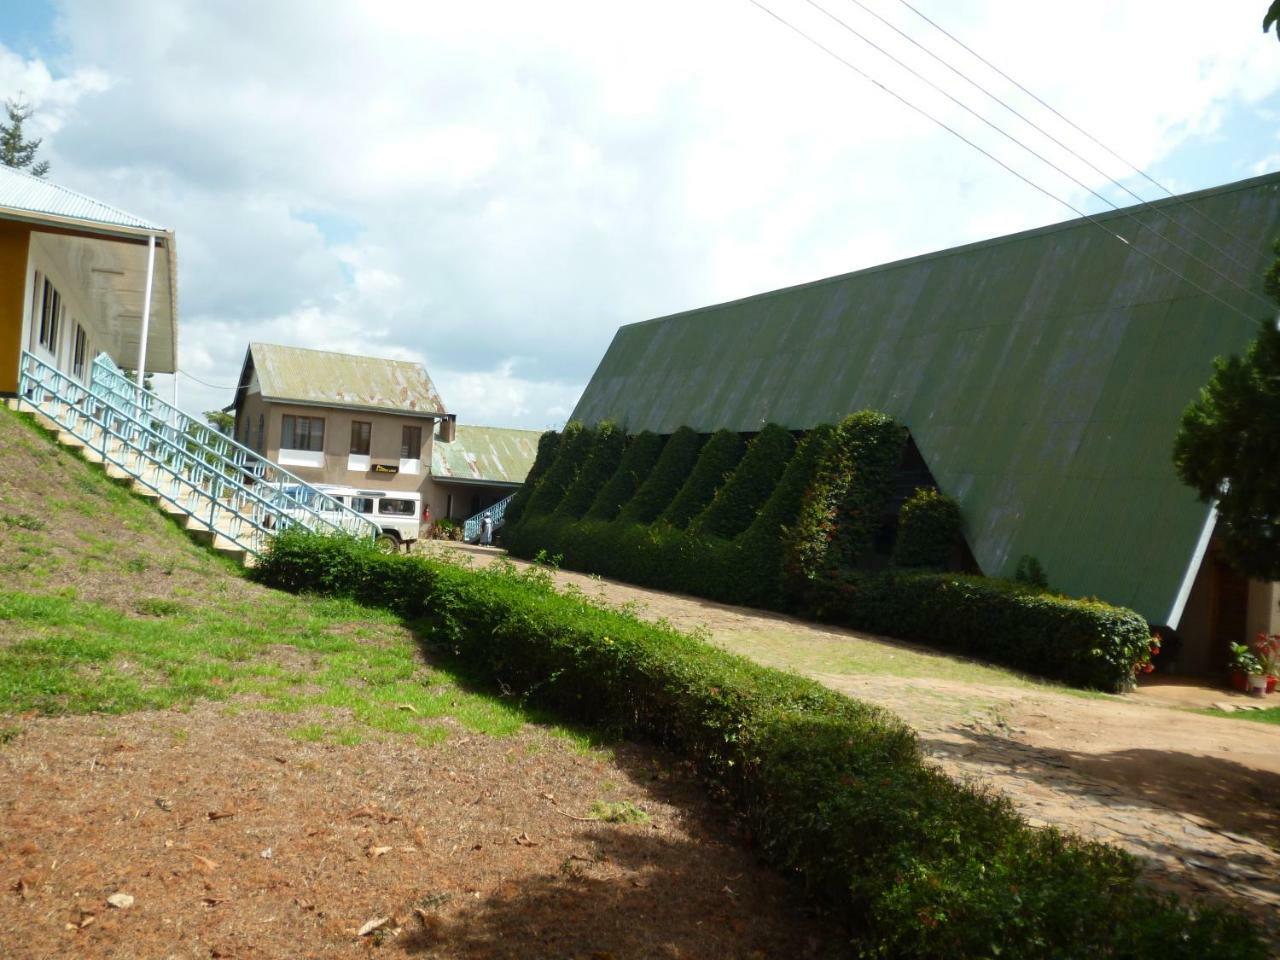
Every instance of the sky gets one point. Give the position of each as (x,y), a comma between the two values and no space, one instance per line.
(493,189)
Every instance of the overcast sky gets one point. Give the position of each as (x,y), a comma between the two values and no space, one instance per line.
(493,188)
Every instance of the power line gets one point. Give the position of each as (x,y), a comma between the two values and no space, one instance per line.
(1043,159)
(1045,133)
(990,156)
(1069,122)
(206,383)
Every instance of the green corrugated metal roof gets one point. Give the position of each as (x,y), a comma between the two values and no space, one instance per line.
(485,454)
(1042,375)
(339,379)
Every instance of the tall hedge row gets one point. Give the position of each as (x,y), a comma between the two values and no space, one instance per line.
(548,447)
(736,502)
(575,443)
(638,460)
(607,446)
(716,461)
(834,791)
(807,547)
(664,482)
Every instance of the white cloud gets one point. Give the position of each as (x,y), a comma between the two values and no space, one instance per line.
(495,188)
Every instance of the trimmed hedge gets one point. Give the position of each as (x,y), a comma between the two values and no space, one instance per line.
(843,506)
(607,446)
(834,790)
(575,441)
(548,447)
(641,455)
(664,482)
(928,530)
(716,461)
(735,504)
(1084,642)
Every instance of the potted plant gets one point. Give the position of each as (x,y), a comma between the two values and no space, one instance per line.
(1245,666)
(1267,650)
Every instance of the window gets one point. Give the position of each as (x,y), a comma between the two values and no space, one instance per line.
(397,508)
(411,443)
(302,433)
(360,432)
(362,504)
(78,351)
(50,315)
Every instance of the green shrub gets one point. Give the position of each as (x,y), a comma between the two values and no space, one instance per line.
(665,480)
(1030,573)
(834,791)
(928,530)
(548,447)
(575,443)
(637,463)
(1084,642)
(735,504)
(842,508)
(716,461)
(758,552)
(600,463)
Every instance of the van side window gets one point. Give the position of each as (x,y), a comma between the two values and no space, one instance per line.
(397,508)
(362,504)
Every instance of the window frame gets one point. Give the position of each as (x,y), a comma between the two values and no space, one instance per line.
(409,451)
(290,432)
(360,447)
(79,351)
(411,504)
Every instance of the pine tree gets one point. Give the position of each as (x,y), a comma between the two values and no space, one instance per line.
(15,150)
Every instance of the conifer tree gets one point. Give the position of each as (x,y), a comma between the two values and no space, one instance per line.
(15,150)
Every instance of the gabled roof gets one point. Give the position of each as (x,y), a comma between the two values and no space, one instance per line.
(36,198)
(322,378)
(496,455)
(1042,376)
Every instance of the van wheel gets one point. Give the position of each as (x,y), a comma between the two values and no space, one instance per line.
(388,543)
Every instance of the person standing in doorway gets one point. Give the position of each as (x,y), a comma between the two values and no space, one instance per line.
(486,530)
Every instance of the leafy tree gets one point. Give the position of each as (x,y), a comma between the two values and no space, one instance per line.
(15,150)
(1272,18)
(221,421)
(1228,447)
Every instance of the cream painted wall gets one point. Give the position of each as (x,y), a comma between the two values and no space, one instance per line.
(1264,608)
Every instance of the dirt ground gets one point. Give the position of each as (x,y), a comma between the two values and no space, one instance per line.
(1196,797)
(235,841)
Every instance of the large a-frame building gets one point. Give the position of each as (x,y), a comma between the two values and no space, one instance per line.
(1042,376)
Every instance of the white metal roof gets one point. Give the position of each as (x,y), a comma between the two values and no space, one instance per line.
(22,192)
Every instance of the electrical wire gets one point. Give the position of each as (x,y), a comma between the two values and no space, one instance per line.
(1071,123)
(1045,133)
(206,383)
(1028,181)
(1043,159)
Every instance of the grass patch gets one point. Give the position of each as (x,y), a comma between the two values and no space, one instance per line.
(1269,715)
(622,812)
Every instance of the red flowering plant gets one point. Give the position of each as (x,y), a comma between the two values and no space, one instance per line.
(1267,649)
(1143,664)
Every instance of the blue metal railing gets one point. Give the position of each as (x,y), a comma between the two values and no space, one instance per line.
(234,491)
(497,512)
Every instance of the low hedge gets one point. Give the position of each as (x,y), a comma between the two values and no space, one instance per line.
(601,460)
(1084,642)
(835,791)
(638,460)
(719,456)
(929,530)
(665,480)
(735,504)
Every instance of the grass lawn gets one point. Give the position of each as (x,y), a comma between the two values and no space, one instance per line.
(1269,715)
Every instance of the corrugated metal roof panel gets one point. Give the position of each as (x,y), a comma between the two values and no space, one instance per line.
(1042,376)
(21,191)
(343,380)
(493,454)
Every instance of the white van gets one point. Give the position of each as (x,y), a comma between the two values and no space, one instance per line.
(398,513)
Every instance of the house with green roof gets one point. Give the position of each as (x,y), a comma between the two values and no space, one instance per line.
(1042,376)
(478,467)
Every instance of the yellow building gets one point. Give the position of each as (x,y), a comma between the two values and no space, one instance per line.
(79,278)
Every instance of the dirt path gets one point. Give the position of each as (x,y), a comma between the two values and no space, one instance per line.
(1196,797)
